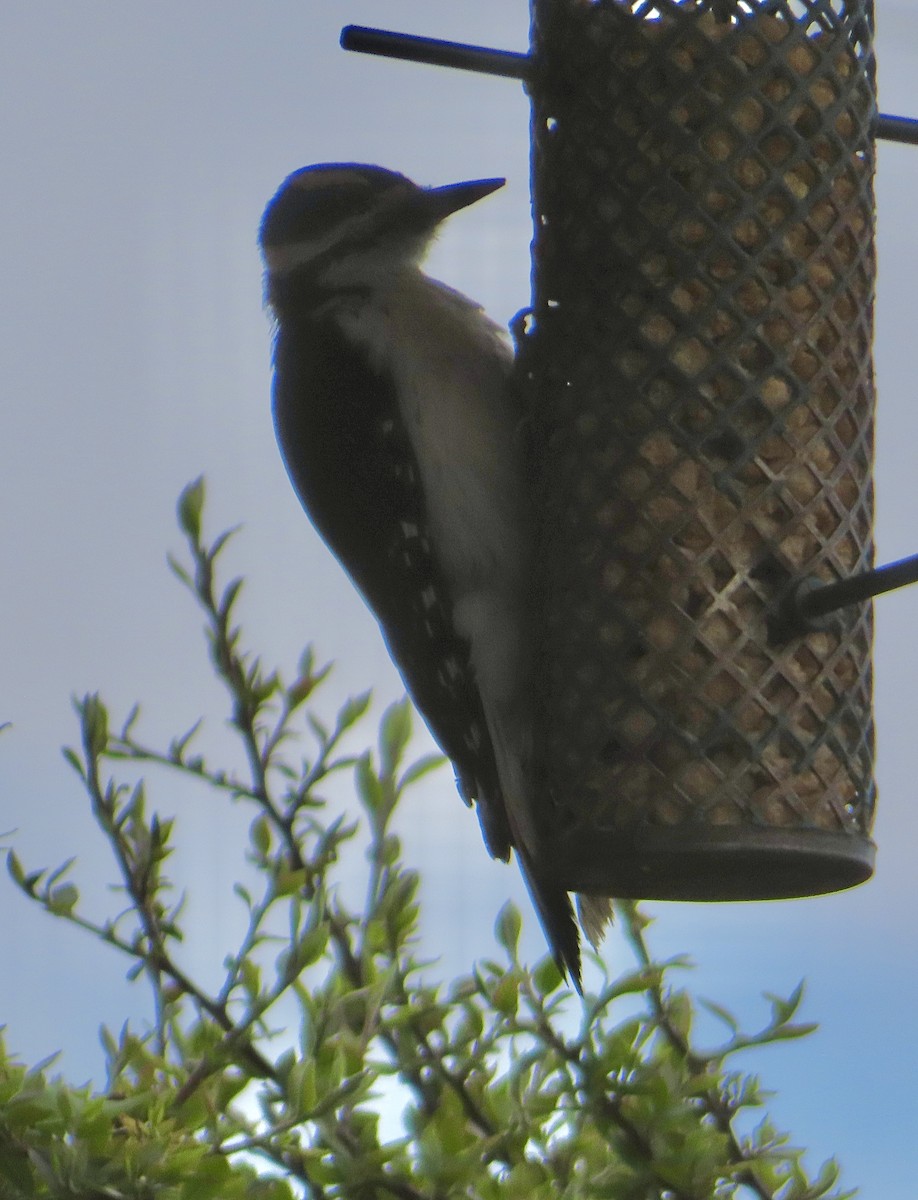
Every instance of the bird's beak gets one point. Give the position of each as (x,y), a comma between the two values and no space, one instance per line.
(442,201)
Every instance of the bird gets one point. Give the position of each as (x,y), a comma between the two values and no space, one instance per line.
(402,435)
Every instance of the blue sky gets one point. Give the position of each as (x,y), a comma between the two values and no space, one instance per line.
(140,145)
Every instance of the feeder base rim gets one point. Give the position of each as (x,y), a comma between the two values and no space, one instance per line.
(703,863)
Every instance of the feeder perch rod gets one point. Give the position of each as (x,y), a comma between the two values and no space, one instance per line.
(814,602)
(435,52)
(511,65)
(897,129)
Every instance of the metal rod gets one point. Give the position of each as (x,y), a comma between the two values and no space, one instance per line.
(512,65)
(819,601)
(434,51)
(897,129)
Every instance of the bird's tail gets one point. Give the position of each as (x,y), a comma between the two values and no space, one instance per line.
(513,755)
(556,914)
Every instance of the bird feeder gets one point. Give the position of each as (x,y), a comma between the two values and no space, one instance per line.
(699,369)
(697,364)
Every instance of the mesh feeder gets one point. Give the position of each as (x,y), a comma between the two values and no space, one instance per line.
(698,364)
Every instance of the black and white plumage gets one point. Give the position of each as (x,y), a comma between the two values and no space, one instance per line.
(405,445)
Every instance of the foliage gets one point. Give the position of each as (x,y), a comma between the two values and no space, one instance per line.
(512,1086)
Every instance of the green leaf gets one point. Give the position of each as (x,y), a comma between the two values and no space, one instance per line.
(788,1032)
(546,977)
(390,850)
(507,928)
(260,836)
(308,679)
(204,1178)
(94,719)
(317,728)
(680,1013)
(15,868)
(190,508)
(782,1010)
(179,571)
(506,996)
(352,710)
(423,766)
(827,1177)
(307,662)
(722,1014)
(394,733)
(75,761)
(471,1025)
(290,880)
(250,977)
(311,948)
(129,722)
(369,788)
(228,599)
(219,542)
(300,1087)
(179,745)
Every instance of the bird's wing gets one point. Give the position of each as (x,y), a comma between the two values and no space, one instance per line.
(352,466)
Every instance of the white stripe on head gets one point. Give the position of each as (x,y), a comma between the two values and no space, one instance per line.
(354,236)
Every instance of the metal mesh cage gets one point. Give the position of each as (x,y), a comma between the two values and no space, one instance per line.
(699,368)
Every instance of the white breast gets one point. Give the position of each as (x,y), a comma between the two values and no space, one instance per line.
(451,365)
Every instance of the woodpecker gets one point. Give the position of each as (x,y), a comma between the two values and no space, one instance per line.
(405,444)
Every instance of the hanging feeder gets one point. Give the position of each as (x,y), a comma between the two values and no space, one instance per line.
(699,368)
(697,361)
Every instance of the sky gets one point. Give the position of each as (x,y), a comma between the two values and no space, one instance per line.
(140,144)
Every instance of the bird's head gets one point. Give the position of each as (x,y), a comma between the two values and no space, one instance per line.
(347,224)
